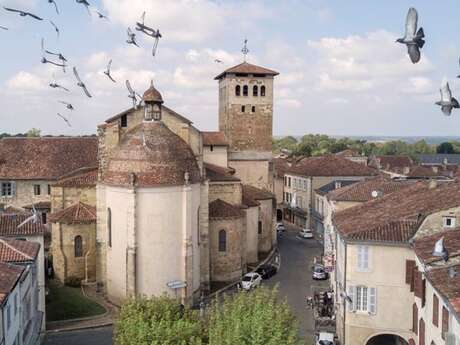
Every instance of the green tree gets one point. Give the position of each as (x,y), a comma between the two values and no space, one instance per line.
(33,132)
(445,148)
(157,321)
(256,318)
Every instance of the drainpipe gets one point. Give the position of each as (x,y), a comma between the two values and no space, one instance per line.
(345,291)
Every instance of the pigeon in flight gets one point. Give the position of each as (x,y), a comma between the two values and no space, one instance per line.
(107,72)
(65,119)
(132,94)
(55,5)
(131,37)
(67,105)
(3,27)
(60,57)
(101,16)
(23,13)
(55,85)
(447,102)
(80,83)
(413,39)
(34,218)
(85,3)
(440,251)
(218,61)
(55,28)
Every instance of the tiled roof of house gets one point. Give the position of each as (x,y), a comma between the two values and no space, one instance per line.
(330,165)
(41,205)
(14,210)
(214,139)
(79,213)
(45,158)
(220,174)
(392,232)
(18,251)
(409,205)
(424,246)
(447,286)
(334,185)
(439,158)
(422,171)
(9,276)
(281,165)
(392,163)
(84,177)
(9,225)
(257,193)
(247,68)
(362,191)
(219,209)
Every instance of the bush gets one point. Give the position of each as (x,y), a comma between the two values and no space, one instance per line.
(73,281)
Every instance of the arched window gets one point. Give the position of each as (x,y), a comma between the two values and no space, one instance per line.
(238,90)
(78,246)
(262,90)
(245,90)
(222,241)
(255,91)
(109,227)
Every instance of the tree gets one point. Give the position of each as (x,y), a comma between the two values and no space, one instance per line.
(34,132)
(445,148)
(255,318)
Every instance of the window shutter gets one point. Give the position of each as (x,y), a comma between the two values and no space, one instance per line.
(360,258)
(418,284)
(435,310)
(351,292)
(414,318)
(373,301)
(423,292)
(13,188)
(410,264)
(445,322)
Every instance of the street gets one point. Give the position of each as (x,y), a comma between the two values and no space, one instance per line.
(98,336)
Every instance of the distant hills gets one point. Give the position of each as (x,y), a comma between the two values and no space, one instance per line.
(431,140)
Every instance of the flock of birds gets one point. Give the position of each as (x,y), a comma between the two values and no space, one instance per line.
(57,59)
(414,40)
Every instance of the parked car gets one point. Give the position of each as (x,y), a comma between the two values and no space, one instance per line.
(251,281)
(325,338)
(305,233)
(266,271)
(319,273)
(280,227)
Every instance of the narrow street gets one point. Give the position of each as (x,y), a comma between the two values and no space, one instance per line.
(294,277)
(97,336)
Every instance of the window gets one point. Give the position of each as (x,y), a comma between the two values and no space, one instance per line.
(109,227)
(7,189)
(255,91)
(435,310)
(222,241)
(211,148)
(421,332)
(445,322)
(259,230)
(37,189)
(238,90)
(414,318)
(289,182)
(78,246)
(49,189)
(124,121)
(364,299)
(262,90)
(253,109)
(299,202)
(361,298)
(8,317)
(243,109)
(449,222)
(245,90)
(44,217)
(363,258)
(15,304)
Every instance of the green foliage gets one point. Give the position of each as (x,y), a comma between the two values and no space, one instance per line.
(33,132)
(157,321)
(445,148)
(255,318)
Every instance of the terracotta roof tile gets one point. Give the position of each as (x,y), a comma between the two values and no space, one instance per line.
(12,251)
(84,177)
(220,174)
(447,286)
(45,158)
(247,68)
(9,225)
(41,205)
(281,165)
(392,163)
(219,209)
(330,165)
(9,276)
(257,193)
(391,232)
(408,204)
(424,246)
(362,191)
(79,213)
(214,138)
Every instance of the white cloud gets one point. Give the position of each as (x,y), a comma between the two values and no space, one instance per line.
(25,82)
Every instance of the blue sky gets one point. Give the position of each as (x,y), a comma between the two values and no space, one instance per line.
(340,70)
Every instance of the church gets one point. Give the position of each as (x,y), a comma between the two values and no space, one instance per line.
(169,208)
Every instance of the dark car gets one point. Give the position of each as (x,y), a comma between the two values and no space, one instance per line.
(266,271)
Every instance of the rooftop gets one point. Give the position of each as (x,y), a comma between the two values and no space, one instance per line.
(439,158)
(163,107)
(40,205)
(257,193)
(79,213)
(334,185)
(392,163)
(219,209)
(214,139)
(9,276)
(9,225)
(83,177)
(45,158)
(246,68)
(216,173)
(330,165)
(12,251)
(447,286)
(424,246)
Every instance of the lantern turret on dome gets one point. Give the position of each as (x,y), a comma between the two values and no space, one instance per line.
(153,101)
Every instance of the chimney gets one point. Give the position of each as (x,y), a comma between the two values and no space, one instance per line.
(432,184)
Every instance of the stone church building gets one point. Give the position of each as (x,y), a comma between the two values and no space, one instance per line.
(169,208)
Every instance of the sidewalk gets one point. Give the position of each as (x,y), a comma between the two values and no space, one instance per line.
(103,320)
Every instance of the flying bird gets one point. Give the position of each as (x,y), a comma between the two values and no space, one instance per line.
(55,85)
(218,61)
(80,83)
(131,38)
(65,119)
(60,57)
(67,105)
(107,72)
(3,27)
(132,94)
(85,3)
(23,13)
(55,5)
(447,102)
(101,16)
(441,251)
(34,218)
(55,28)
(413,39)
(149,32)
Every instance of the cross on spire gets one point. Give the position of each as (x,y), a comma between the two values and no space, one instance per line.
(245,49)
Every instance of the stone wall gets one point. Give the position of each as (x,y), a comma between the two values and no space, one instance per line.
(217,155)
(24,193)
(267,216)
(231,192)
(252,236)
(254,173)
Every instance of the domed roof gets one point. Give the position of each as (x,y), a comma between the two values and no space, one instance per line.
(151,155)
(152,95)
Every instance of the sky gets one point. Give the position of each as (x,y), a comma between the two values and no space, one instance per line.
(341,72)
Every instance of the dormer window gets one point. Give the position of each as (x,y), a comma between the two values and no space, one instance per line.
(448,222)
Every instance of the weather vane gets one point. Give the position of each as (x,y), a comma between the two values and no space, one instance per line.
(245,49)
